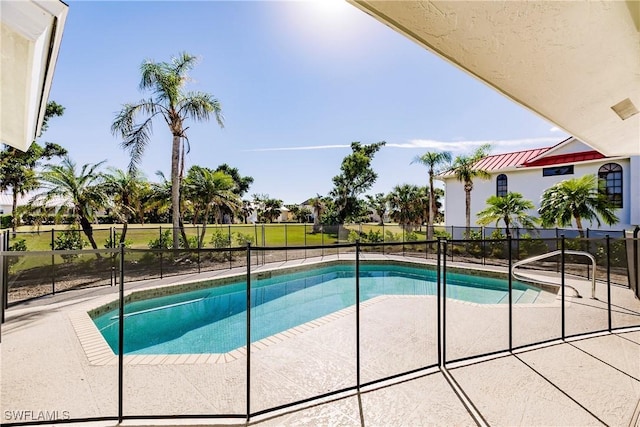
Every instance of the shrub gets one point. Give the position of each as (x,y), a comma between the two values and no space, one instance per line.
(109,243)
(164,241)
(411,237)
(220,240)
(354,236)
(529,246)
(244,239)
(69,240)
(374,236)
(5,221)
(392,237)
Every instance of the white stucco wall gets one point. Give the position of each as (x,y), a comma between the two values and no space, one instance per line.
(531,184)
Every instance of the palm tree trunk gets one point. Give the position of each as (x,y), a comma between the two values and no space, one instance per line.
(579,225)
(432,207)
(88,231)
(175,190)
(204,228)
(467,209)
(14,220)
(506,224)
(124,232)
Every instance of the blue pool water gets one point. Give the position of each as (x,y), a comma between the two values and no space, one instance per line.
(213,320)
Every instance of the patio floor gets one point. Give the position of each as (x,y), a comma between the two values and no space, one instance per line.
(583,381)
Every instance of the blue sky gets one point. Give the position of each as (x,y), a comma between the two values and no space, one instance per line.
(298,82)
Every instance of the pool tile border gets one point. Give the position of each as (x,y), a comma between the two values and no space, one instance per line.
(99,353)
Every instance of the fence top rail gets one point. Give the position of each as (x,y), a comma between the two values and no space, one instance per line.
(61,252)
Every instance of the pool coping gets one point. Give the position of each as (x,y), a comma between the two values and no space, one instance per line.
(99,353)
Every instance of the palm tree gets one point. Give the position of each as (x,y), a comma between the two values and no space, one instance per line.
(126,189)
(166,80)
(210,191)
(433,161)
(406,206)
(246,209)
(82,191)
(511,208)
(318,205)
(578,199)
(378,203)
(465,172)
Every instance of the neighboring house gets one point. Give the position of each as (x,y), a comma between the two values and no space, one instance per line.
(530,172)
(6,202)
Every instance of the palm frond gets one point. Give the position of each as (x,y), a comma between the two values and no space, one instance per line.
(200,106)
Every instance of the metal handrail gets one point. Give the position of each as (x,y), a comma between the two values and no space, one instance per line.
(552,254)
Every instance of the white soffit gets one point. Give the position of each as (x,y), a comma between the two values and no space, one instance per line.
(569,62)
(30,36)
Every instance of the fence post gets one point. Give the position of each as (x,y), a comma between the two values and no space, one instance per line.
(510,296)
(248,329)
(199,245)
(53,264)
(322,237)
(286,251)
(230,253)
(439,299)
(121,337)
(305,240)
(3,281)
(589,250)
(562,266)
(609,281)
(444,302)
(358,314)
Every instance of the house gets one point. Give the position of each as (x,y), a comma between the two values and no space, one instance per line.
(530,172)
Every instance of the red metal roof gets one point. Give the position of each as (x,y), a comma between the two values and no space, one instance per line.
(566,158)
(506,160)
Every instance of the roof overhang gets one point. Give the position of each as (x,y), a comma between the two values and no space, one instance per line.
(31,32)
(569,62)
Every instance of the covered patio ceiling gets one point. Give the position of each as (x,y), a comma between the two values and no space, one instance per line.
(31,32)
(576,64)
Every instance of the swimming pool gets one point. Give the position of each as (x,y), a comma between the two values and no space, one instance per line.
(213,320)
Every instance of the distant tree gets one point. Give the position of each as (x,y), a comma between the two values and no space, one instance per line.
(511,208)
(166,80)
(17,168)
(267,207)
(318,206)
(209,191)
(246,210)
(406,206)
(379,203)
(576,199)
(465,170)
(126,190)
(355,178)
(82,191)
(241,186)
(434,161)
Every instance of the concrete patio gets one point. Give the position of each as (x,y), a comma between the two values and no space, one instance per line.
(46,366)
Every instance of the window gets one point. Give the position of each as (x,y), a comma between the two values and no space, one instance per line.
(501,185)
(610,183)
(558,170)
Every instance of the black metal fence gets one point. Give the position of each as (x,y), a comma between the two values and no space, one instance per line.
(367,345)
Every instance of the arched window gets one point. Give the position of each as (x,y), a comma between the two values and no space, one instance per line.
(610,177)
(501,185)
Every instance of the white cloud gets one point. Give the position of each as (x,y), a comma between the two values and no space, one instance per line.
(555,129)
(457,147)
(310,147)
